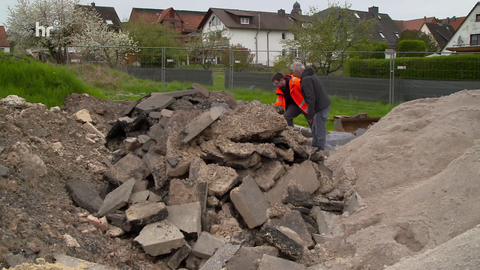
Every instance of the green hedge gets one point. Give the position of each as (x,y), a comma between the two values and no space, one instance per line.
(441,68)
(411,46)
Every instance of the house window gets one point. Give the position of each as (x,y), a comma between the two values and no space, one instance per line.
(109,22)
(477,18)
(475,39)
(397,35)
(356,15)
(172,24)
(381,34)
(283,35)
(244,20)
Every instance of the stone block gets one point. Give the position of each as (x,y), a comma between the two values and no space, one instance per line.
(84,195)
(303,174)
(139,197)
(273,263)
(187,217)
(250,202)
(267,175)
(221,257)
(207,245)
(178,256)
(166,113)
(200,123)
(116,199)
(160,238)
(156,102)
(246,257)
(141,214)
(294,221)
(125,169)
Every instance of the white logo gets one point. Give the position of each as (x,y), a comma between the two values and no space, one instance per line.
(45,32)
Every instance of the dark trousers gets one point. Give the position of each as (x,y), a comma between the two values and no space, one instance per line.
(319,128)
(291,112)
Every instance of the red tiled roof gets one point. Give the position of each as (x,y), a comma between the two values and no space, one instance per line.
(148,14)
(3,37)
(455,22)
(413,24)
(191,19)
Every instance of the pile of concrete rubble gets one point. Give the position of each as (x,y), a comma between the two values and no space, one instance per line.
(206,182)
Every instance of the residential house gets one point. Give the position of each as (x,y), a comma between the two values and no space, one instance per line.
(415,24)
(108,14)
(260,32)
(454,21)
(183,21)
(442,33)
(4,44)
(467,36)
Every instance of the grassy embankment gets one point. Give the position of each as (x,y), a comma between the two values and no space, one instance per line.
(49,84)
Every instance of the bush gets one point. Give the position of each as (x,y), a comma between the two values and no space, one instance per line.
(416,46)
(441,68)
(367,49)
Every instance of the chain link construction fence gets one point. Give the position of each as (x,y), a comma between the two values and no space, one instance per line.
(372,76)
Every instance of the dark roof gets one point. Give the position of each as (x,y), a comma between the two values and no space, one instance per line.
(453,21)
(191,19)
(107,14)
(441,32)
(3,37)
(150,15)
(259,19)
(385,25)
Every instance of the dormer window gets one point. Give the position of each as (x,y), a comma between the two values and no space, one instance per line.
(244,20)
(397,35)
(356,15)
(381,34)
(109,22)
(379,17)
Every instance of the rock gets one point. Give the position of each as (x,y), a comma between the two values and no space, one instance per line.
(116,199)
(139,197)
(125,169)
(273,263)
(200,123)
(220,179)
(155,115)
(158,133)
(116,219)
(141,214)
(297,196)
(83,116)
(246,257)
(160,238)
(294,221)
(13,260)
(3,171)
(240,150)
(322,239)
(70,241)
(303,174)
(186,217)
(354,203)
(243,163)
(77,263)
(166,113)
(181,93)
(114,231)
(282,241)
(156,102)
(220,258)
(250,202)
(156,165)
(205,92)
(178,256)
(28,164)
(153,197)
(287,155)
(294,139)
(91,128)
(266,150)
(140,185)
(14,101)
(99,223)
(84,195)
(130,144)
(182,192)
(194,263)
(207,245)
(325,222)
(210,152)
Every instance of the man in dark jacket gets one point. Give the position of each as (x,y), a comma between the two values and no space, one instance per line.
(317,100)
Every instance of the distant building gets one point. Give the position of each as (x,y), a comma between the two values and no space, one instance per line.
(415,24)
(467,36)
(108,14)
(442,33)
(4,44)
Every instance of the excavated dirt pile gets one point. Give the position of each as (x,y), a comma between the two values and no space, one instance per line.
(190,179)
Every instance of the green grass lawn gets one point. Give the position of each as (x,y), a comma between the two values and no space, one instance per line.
(49,84)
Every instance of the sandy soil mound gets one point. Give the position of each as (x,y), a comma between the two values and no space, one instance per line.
(417,170)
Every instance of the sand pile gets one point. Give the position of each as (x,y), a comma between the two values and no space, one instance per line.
(418,173)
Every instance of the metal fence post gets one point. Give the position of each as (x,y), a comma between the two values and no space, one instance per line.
(393,78)
(390,86)
(232,61)
(163,69)
(66,51)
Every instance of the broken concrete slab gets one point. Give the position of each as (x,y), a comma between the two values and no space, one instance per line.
(221,257)
(187,217)
(178,256)
(246,257)
(317,267)
(294,221)
(282,241)
(220,179)
(155,115)
(180,169)
(160,238)
(156,102)
(287,155)
(166,113)
(3,171)
(207,245)
(250,202)
(156,165)
(90,128)
(205,92)
(181,93)
(141,214)
(116,219)
(84,195)
(297,196)
(273,263)
(266,150)
(78,263)
(200,123)
(268,173)
(116,199)
(303,174)
(13,260)
(210,152)
(153,197)
(182,192)
(139,197)
(243,163)
(354,203)
(294,139)
(130,144)
(194,263)
(240,150)
(325,222)
(125,169)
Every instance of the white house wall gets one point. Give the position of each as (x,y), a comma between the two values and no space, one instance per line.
(5,49)
(469,27)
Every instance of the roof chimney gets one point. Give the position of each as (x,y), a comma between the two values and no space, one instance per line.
(373,11)
(93,4)
(281,12)
(424,18)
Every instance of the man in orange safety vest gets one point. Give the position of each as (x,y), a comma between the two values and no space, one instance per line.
(289,96)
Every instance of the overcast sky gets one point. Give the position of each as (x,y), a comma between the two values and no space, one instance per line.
(397,9)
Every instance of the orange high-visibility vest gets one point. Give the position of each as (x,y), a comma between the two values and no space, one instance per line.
(295,92)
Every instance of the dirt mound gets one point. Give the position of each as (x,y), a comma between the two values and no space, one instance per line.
(417,170)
